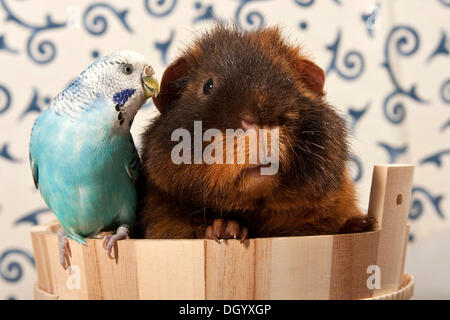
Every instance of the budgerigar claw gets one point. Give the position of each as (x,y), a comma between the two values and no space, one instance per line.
(64,248)
(110,240)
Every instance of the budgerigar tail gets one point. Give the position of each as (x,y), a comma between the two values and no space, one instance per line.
(76,238)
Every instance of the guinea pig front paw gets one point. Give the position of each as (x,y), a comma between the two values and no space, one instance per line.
(359,224)
(226,229)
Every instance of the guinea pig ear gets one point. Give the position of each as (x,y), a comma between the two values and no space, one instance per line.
(168,92)
(312,75)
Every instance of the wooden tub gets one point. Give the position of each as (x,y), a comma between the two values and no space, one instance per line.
(351,266)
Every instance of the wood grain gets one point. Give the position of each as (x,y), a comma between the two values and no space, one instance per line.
(392,188)
(313,267)
(170,269)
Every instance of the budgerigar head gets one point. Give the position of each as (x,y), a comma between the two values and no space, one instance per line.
(122,79)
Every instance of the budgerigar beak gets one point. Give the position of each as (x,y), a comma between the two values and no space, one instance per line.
(149,82)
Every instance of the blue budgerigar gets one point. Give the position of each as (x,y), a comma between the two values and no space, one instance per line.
(82,154)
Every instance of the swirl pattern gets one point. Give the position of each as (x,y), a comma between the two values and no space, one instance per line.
(445,91)
(5,99)
(353,61)
(160,8)
(253,19)
(12,270)
(46,49)
(417,204)
(405,45)
(393,152)
(98,24)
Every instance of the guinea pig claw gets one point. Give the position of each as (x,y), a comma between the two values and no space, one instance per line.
(210,234)
(226,229)
(244,234)
(232,229)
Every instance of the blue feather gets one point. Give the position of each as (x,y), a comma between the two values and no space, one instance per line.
(80,168)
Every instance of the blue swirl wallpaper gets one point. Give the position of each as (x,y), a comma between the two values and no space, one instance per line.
(387,65)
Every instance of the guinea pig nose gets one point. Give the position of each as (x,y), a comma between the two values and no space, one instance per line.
(248,124)
(148,70)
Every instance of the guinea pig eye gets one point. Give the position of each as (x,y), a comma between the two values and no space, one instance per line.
(208,86)
(127,68)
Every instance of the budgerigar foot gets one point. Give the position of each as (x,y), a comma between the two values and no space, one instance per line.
(110,240)
(64,249)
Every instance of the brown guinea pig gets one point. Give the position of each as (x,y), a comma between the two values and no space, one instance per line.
(230,79)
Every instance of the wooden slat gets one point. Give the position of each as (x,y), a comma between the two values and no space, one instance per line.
(60,276)
(352,255)
(40,294)
(391,185)
(262,270)
(170,269)
(41,259)
(106,271)
(405,292)
(405,249)
(301,267)
(91,270)
(229,269)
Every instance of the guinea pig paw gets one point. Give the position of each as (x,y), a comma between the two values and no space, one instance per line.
(359,224)
(226,229)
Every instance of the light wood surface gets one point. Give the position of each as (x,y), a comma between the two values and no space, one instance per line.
(313,267)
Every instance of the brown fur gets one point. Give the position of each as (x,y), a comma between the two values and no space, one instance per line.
(257,76)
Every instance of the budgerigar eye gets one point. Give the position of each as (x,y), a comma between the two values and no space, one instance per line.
(127,68)
(208,86)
